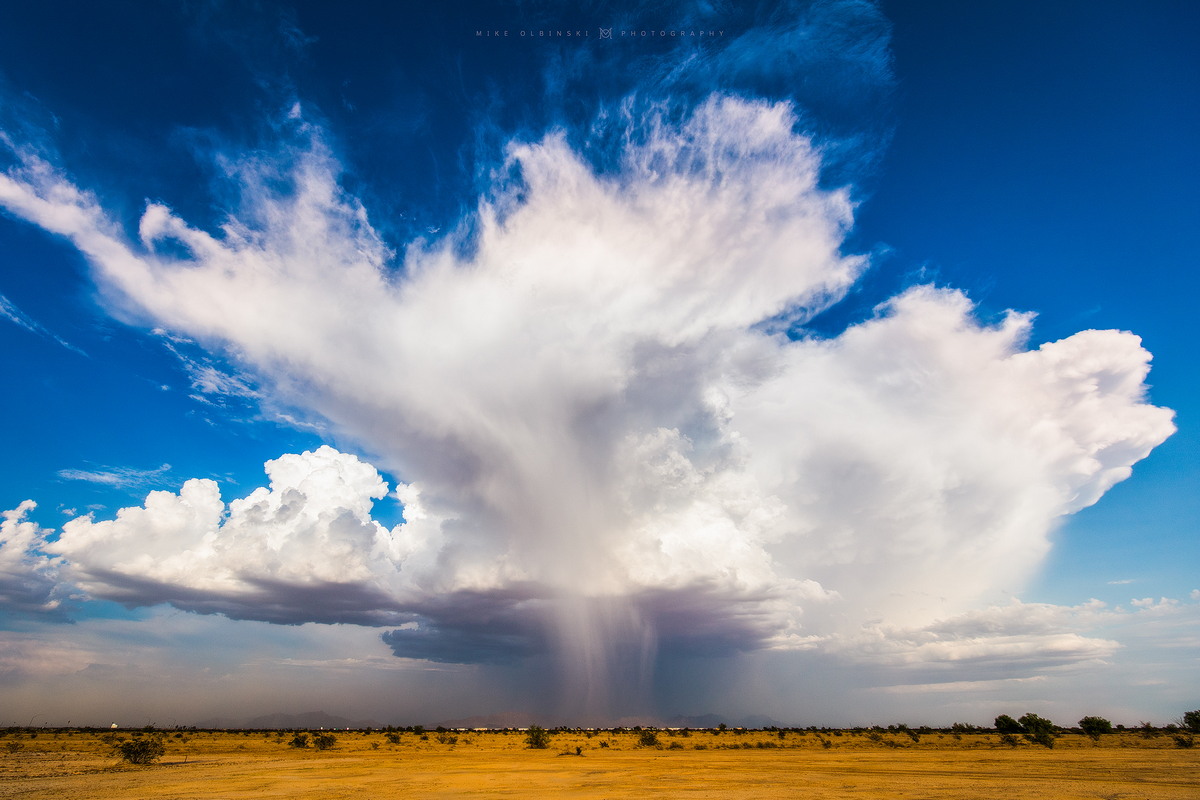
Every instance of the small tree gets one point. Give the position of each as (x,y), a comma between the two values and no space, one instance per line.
(1006,724)
(1190,721)
(538,738)
(141,751)
(1038,729)
(1095,726)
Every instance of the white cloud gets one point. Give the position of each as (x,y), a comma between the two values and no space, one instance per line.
(9,311)
(118,477)
(1027,638)
(612,447)
(304,549)
(28,575)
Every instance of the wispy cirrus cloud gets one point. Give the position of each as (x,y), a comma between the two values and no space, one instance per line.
(119,477)
(9,311)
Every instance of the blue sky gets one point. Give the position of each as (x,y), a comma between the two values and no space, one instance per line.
(689,359)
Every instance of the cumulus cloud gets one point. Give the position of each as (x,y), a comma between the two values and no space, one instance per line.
(29,581)
(610,444)
(303,549)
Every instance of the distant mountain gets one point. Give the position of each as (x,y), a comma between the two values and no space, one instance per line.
(760,721)
(713,720)
(522,719)
(312,720)
(505,719)
(700,721)
(308,720)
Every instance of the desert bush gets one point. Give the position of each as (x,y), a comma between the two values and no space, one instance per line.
(1009,739)
(1184,740)
(446,738)
(324,741)
(299,740)
(1147,730)
(537,738)
(14,747)
(141,751)
(1095,726)
(675,746)
(647,739)
(393,738)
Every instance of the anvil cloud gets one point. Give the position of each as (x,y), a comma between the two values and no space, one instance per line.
(615,434)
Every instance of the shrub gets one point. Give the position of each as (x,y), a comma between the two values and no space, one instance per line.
(1009,739)
(299,740)
(393,738)
(647,739)
(141,751)
(324,741)
(1095,726)
(537,738)
(1184,740)
(446,738)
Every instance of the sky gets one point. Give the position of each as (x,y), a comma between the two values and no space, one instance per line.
(827,363)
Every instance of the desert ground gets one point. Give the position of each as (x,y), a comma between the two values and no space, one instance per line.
(79,764)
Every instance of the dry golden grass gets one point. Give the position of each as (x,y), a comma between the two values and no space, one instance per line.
(74,765)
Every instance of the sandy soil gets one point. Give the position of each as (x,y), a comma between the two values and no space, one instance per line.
(81,765)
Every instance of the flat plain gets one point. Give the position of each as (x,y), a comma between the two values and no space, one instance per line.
(80,764)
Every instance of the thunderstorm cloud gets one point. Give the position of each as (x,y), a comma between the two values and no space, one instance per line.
(616,436)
